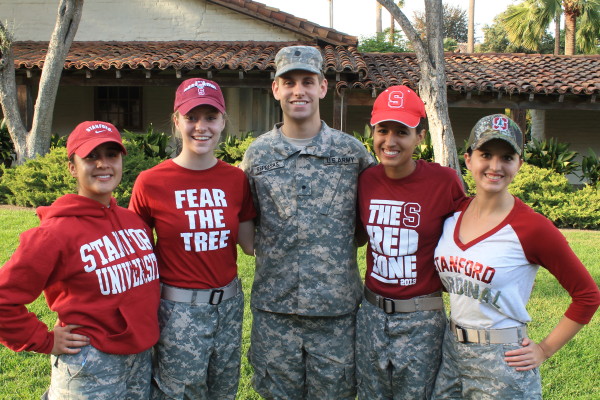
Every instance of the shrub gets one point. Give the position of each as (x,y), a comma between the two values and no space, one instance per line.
(551,154)
(7,149)
(550,194)
(40,181)
(232,148)
(590,168)
(154,144)
(366,139)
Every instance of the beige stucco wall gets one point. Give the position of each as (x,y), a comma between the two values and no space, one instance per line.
(141,20)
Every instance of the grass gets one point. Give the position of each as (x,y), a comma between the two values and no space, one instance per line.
(573,373)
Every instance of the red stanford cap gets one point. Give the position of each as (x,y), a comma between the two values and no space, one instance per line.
(400,104)
(90,134)
(197,92)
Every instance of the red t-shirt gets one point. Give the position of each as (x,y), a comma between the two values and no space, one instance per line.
(403,219)
(196,216)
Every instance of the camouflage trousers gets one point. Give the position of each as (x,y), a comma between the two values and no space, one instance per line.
(198,354)
(94,375)
(397,355)
(478,371)
(299,357)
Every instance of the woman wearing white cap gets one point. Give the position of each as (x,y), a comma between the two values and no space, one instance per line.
(487,258)
(200,208)
(402,205)
(94,262)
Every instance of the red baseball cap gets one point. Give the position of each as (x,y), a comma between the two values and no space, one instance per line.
(90,134)
(197,92)
(400,104)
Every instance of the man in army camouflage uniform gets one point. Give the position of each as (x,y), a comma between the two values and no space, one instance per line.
(307,287)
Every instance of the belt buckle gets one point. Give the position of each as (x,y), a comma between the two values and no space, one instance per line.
(218,292)
(461,334)
(392,306)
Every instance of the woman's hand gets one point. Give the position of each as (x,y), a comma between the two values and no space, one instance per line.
(66,342)
(530,356)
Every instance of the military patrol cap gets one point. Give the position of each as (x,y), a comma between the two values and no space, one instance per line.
(496,126)
(303,58)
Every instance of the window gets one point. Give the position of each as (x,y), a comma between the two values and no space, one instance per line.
(119,105)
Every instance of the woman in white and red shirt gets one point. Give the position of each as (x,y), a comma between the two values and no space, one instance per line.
(487,259)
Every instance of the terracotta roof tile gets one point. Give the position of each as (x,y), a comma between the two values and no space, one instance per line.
(506,73)
(503,73)
(181,55)
(288,21)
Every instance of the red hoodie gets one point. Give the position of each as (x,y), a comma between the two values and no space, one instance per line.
(96,267)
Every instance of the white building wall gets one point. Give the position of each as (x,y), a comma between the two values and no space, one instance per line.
(141,20)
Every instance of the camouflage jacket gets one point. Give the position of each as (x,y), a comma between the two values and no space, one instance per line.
(306,199)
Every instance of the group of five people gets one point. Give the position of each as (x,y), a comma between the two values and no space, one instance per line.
(305,196)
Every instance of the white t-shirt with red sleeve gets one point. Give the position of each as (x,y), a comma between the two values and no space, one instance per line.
(196,216)
(490,278)
(403,219)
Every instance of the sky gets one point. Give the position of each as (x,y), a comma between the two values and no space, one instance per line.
(357,17)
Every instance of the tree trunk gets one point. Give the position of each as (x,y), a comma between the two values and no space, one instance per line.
(570,21)
(432,82)
(37,140)
(378,24)
(557,35)
(471,32)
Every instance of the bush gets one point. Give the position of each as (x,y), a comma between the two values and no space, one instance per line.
(154,144)
(232,148)
(40,181)
(551,154)
(590,168)
(7,149)
(550,194)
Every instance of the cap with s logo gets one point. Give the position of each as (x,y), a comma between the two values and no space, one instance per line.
(496,126)
(195,92)
(398,103)
(90,134)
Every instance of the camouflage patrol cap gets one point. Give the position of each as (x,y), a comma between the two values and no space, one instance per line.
(496,126)
(303,58)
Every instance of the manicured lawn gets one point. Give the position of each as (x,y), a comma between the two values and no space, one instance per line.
(571,374)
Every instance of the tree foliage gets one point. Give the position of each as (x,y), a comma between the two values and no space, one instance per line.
(527,22)
(456,23)
(495,40)
(381,43)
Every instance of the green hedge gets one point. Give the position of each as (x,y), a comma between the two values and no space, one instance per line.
(551,194)
(40,181)
(44,179)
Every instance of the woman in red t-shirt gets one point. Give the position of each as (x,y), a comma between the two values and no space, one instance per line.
(200,208)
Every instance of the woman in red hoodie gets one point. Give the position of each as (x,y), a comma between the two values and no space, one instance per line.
(94,262)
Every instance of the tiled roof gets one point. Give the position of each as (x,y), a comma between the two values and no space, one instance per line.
(181,55)
(507,73)
(288,21)
(504,73)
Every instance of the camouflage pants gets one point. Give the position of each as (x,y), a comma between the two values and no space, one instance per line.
(198,355)
(94,375)
(478,371)
(297,357)
(397,355)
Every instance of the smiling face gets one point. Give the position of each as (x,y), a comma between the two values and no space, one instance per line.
(299,93)
(394,144)
(201,130)
(493,165)
(98,173)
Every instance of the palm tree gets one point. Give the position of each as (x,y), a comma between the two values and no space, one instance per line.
(471,35)
(526,22)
